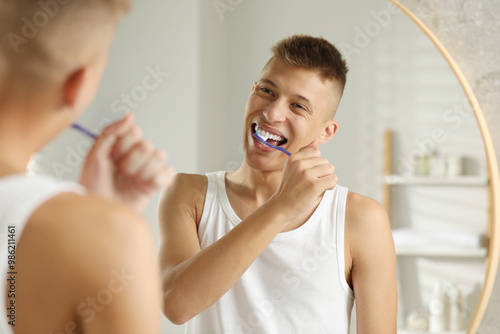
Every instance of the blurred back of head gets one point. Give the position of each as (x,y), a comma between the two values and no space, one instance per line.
(43,41)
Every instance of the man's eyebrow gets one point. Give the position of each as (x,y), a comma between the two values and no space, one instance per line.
(298,96)
(269,82)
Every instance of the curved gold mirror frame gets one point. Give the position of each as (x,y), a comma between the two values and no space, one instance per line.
(492,261)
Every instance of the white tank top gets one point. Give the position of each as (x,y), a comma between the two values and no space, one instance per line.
(297,285)
(20,196)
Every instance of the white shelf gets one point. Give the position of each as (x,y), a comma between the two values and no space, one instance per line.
(441,251)
(466,180)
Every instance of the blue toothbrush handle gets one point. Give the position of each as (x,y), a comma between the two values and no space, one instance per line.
(271,145)
(281,149)
(84,131)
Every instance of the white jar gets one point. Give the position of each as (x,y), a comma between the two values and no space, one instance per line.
(454,165)
(438,314)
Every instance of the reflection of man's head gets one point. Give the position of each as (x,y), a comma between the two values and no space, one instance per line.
(295,98)
(316,55)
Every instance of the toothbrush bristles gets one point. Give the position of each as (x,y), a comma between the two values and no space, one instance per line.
(264,141)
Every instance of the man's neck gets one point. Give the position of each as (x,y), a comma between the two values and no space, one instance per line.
(248,189)
(12,161)
(255,184)
(19,140)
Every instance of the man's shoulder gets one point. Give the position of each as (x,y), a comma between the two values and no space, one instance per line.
(187,192)
(186,186)
(366,224)
(362,204)
(191,180)
(72,208)
(86,236)
(88,225)
(362,211)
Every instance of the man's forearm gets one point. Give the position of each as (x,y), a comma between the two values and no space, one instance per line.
(197,283)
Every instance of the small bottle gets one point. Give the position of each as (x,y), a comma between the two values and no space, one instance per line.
(437,165)
(422,165)
(456,314)
(437,310)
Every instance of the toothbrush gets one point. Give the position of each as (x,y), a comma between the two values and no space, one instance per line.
(263,140)
(84,131)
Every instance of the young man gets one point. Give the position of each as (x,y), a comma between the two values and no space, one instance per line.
(77,260)
(277,246)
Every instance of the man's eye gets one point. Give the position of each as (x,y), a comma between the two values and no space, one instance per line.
(267,91)
(296,105)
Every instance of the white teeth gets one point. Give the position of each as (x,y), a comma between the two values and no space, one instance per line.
(266,135)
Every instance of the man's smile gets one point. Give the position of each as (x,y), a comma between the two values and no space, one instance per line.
(273,137)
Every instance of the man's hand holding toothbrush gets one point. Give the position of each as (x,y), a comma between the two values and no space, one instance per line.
(124,168)
(306,176)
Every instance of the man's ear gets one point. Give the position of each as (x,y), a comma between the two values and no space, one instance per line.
(254,85)
(73,87)
(328,132)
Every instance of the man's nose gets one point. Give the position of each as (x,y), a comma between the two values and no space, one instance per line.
(275,112)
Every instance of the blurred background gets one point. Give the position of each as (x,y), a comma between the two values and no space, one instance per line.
(185,69)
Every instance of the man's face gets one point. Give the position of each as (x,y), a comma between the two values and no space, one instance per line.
(293,104)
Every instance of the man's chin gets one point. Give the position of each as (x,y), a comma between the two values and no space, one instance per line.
(263,163)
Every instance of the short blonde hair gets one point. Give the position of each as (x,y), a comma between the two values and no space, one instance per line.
(41,40)
(313,53)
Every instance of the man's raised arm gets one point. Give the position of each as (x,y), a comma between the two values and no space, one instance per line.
(194,279)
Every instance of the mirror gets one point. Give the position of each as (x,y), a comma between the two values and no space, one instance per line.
(205,58)
(466,35)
